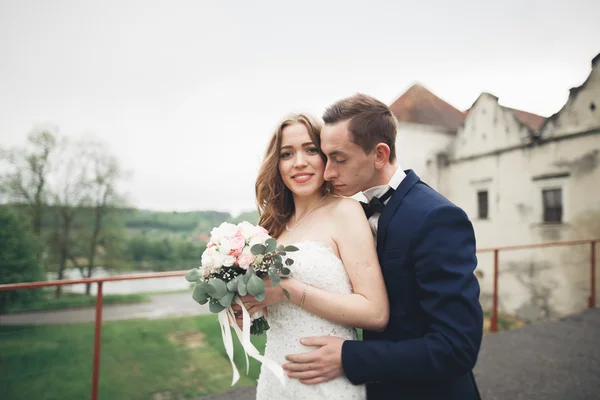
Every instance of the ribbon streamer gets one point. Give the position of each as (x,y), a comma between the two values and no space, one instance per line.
(244,338)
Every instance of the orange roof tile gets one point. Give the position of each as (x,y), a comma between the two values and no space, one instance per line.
(420,106)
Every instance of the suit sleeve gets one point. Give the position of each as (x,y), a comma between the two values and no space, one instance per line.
(444,259)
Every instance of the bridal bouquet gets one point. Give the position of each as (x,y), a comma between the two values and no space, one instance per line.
(235,260)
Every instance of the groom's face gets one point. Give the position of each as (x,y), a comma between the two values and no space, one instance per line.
(348,168)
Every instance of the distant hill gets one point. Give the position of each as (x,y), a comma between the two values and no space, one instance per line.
(163,222)
(191,222)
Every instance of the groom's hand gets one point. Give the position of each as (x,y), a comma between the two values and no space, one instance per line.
(317,366)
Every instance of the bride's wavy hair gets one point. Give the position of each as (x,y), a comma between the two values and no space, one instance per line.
(274,200)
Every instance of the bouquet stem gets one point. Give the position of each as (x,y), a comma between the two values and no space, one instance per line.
(259,326)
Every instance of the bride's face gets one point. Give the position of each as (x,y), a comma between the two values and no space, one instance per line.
(300,163)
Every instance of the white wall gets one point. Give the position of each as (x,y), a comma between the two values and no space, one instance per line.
(488,127)
(417,146)
(561,275)
(582,110)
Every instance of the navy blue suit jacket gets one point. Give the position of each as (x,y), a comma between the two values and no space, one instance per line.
(426,248)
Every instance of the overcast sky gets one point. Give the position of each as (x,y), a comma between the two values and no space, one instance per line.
(187,93)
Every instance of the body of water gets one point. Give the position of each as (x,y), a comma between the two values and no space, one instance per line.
(124,287)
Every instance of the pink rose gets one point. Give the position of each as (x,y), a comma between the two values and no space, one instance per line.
(235,253)
(244,260)
(236,244)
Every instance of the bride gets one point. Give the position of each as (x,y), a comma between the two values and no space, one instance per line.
(336,282)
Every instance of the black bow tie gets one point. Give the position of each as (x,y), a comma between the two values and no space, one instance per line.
(376,204)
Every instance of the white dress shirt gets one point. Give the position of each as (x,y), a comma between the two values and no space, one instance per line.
(378,191)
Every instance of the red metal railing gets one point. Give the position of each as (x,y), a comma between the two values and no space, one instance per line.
(100,282)
(496,251)
(98,323)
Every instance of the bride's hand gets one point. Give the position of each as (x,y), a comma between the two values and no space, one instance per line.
(273,294)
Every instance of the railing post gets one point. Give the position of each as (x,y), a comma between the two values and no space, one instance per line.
(592,298)
(96,367)
(494,319)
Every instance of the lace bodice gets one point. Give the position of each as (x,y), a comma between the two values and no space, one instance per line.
(317,265)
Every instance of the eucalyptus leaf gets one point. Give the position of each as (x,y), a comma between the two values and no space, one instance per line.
(289,261)
(277,257)
(280,247)
(285,271)
(287,294)
(255,285)
(291,248)
(220,288)
(233,284)
(260,297)
(199,295)
(271,245)
(215,307)
(205,287)
(258,249)
(275,279)
(241,287)
(193,275)
(226,300)
(248,274)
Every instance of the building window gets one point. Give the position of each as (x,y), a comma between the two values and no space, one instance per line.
(482,204)
(553,205)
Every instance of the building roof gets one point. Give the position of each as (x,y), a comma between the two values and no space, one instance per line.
(532,121)
(419,105)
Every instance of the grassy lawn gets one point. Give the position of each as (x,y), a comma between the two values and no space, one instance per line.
(74,300)
(176,358)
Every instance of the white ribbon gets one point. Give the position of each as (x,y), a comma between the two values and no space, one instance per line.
(244,338)
(228,342)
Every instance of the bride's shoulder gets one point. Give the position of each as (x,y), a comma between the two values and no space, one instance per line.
(344,207)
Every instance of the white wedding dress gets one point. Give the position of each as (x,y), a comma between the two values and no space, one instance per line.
(317,265)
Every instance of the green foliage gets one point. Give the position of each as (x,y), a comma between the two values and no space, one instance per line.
(250,216)
(162,253)
(174,222)
(137,239)
(20,254)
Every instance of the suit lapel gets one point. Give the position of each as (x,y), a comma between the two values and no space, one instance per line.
(405,186)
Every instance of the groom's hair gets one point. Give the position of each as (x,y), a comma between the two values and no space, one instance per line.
(371,121)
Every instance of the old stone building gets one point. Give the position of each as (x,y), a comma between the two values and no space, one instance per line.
(522,179)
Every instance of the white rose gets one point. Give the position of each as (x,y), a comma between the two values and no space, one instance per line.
(217,262)
(223,247)
(207,258)
(224,230)
(228,261)
(248,230)
(260,238)
(211,259)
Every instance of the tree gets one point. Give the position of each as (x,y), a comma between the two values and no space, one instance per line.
(25,174)
(68,194)
(103,174)
(19,258)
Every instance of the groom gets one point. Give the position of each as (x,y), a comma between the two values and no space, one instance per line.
(426,248)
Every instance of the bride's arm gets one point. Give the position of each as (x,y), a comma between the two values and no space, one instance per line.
(367,307)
